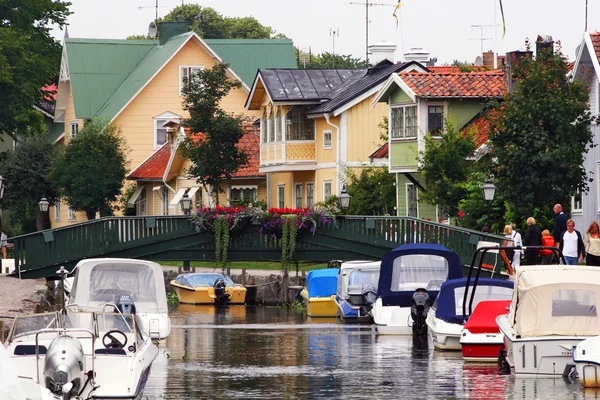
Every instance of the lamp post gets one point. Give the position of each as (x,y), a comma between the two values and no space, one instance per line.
(344,199)
(488,191)
(186,204)
(43,205)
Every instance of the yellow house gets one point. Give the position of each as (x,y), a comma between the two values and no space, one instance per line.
(315,124)
(137,84)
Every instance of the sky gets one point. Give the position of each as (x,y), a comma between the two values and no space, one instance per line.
(444,28)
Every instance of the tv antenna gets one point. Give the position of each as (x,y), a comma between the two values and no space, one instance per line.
(482,39)
(333,33)
(368,4)
(156,6)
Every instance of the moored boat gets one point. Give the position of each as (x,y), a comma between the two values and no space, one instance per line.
(586,356)
(319,292)
(208,288)
(357,290)
(481,339)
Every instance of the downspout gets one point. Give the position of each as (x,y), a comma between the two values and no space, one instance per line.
(338,152)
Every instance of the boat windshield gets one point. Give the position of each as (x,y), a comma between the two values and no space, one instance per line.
(414,271)
(120,322)
(80,320)
(482,293)
(32,323)
(202,280)
(358,279)
(110,280)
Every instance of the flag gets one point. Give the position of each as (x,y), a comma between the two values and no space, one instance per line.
(502,14)
(396,9)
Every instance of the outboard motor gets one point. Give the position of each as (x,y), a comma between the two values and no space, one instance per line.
(369,296)
(419,306)
(63,366)
(124,303)
(221,296)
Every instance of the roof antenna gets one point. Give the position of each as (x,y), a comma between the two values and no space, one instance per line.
(332,33)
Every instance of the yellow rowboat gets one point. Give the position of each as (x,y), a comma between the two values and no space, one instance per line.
(319,293)
(208,288)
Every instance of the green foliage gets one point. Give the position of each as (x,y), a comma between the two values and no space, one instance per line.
(91,170)
(221,227)
(446,168)
(383,129)
(214,152)
(328,61)
(25,172)
(288,240)
(540,137)
(172,297)
(29,57)
(373,192)
(138,37)
(124,199)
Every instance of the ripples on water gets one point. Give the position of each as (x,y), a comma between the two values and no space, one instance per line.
(273,353)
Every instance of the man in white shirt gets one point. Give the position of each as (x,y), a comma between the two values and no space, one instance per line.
(516,239)
(571,244)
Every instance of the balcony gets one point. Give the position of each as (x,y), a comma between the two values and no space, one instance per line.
(298,153)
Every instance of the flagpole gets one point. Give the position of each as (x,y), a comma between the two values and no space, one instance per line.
(495,37)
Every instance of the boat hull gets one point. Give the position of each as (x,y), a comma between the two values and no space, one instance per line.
(446,336)
(319,306)
(349,313)
(481,347)
(392,320)
(587,362)
(206,295)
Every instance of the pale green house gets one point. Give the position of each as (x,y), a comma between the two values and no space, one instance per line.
(419,103)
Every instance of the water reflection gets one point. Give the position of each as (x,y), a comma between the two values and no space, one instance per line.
(274,353)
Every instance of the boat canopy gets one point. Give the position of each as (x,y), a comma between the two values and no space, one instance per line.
(449,303)
(202,279)
(413,266)
(354,275)
(556,300)
(322,282)
(483,319)
(99,281)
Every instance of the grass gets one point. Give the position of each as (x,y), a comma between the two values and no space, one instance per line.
(266,265)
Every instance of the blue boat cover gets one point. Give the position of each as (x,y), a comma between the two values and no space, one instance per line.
(202,279)
(322,282)
(449,304)
(412,266)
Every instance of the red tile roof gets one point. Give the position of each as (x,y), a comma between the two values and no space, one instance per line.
(459,85)
(381,152)
(154,167)
(479,126)
(596,43)
(453,69)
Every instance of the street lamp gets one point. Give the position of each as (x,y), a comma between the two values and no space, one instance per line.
(43,204)
(344,199)
(186,204)
(1,187)
(488,191)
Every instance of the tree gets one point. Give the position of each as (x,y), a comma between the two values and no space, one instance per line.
(91,170)
(540,136)
(373,192)
(25,170)
(446,167)
(326,61)
(213,146)
(29,57)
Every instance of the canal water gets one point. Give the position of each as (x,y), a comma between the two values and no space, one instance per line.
(258,352)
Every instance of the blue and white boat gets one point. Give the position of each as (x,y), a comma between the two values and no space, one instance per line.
(409,281)
(450,310)
(357,290)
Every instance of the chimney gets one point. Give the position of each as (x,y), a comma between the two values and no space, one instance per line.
(544,43)
(417,54)
(166,30)
(512,59)
(488,59)
(382,51)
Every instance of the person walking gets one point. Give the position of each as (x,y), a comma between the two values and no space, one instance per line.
(516,262)
(560,223)
(591,243)
(4,242)
(533,237)
(508,242)
(571,244)
(547,254)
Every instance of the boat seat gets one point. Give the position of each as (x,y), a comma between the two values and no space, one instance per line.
(28,350)
(112,352)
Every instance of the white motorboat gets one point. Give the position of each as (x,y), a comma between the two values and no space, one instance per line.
(451,309)
(357,290)
(587,362)
(102,283)
(409,281)
(481,339)
(553,309)
(82,355)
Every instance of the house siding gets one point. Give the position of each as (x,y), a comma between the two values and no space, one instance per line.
(327,155)
(403,154)
(363,129)
(426,211)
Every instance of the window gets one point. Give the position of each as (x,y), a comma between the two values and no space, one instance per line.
(281,196)
(74,129)
(185,73)
(298,195)
(198,198)
(576,202)
(297,126)
(142,202)
(57,211)
(404,122)
(160,132)
(271,127)
(326,139)
(277,122)
(310,194)
(326,190)
(435,120)
(71,215)
(573,303)
(164,200)
(264,133)
(245,194)
(412,209)
(414,271)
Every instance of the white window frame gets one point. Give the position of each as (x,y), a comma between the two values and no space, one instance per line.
(241,188)
(164,200)
(402,134)
(574,206)
(281,196)
(57,211)
(417,198)
(142,202)
(190,70)
(298,185)
(327,143)
(71,214)
(312,198)
(325,183)
(73,129)
(166,116)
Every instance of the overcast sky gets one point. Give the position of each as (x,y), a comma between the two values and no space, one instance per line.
(442,27)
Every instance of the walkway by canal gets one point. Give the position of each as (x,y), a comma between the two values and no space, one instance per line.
(257,352)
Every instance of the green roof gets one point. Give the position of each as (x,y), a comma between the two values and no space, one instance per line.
(105,74)
(247,56)
(55,130)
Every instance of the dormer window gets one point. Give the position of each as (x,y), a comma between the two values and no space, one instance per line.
(160,130)
(185,73)
(297,126)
